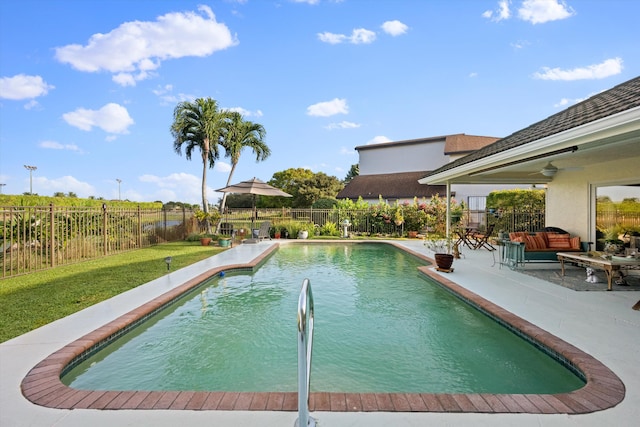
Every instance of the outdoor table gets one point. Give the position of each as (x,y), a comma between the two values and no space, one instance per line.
(609,266)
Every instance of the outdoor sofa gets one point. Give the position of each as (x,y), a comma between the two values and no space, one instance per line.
(541,246)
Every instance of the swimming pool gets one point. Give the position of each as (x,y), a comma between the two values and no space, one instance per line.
(380,327)
(42,385)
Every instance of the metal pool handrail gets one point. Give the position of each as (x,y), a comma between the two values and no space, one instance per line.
(305,347)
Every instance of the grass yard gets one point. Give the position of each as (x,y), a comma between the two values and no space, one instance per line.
(30,301)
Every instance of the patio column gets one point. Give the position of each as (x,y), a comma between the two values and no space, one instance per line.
(448,216)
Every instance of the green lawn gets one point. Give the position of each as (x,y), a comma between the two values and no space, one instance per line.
(30,301)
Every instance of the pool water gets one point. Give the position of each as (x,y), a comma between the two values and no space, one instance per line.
(380,326)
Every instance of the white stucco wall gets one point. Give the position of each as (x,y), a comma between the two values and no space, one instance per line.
(571,195)
(402,158)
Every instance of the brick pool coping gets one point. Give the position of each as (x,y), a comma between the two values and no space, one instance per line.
(603,388)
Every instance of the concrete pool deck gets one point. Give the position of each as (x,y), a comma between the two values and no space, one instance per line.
(599,323)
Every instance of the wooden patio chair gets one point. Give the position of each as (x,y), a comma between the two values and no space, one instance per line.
(481,240)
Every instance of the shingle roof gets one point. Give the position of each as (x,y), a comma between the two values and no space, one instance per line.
(390,186)
(615,100)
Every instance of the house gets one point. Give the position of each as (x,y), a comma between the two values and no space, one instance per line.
(392,169)
(576,153)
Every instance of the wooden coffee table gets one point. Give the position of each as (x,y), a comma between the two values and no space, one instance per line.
(609,266)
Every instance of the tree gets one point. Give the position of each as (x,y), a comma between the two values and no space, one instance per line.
(288,181)
(320,185)
(305,186)
(353,172)
(237,135)
(198,125)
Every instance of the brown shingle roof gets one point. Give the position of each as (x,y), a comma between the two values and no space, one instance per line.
(618,99)
(461,143)
(390,186)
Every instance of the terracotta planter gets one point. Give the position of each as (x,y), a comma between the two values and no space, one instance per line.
(205,241)
(276,234)
(444,261)
(412,234)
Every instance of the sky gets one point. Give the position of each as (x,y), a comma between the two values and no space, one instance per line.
(88,88)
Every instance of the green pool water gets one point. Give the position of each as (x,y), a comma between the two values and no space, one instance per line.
(379,327)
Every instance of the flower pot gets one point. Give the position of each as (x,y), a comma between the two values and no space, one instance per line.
(224,242)
(276,234)
(204,241)
(304,234)
(412,234)
(444,261)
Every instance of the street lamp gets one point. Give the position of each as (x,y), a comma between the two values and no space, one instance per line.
(1,185)
(119,182)
(30,169)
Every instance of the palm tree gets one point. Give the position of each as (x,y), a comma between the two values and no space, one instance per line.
(239,134)
(198,124)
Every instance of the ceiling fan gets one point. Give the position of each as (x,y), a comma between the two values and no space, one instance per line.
(550,170)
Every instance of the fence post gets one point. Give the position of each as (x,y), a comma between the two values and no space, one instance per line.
(139,228)
(52,238)
(104,229)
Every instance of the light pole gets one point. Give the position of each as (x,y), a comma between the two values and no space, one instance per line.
(30,169)
(119,182)
(1,185)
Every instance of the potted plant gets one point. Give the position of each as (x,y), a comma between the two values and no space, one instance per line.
(441,247)
(612,242)
(205,239)
(224,240)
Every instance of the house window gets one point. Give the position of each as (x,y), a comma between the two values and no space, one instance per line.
(477,203)
(618,214)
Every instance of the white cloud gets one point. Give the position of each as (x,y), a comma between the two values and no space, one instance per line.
(394,28)
(222,167)
(53,145)
(112,118)
(22,86)
(135,49)
(473,74)
(347,151)
(520,44)
(566,101)
(307,1)
(541,11)
(177,186)
(500,14)
(378,140)
(166,97)
(331,38)
(328,108)
(342,125)
(244,112)
(64,184)
(358,36)
(610,67)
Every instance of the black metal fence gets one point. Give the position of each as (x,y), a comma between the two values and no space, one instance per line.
(34,238)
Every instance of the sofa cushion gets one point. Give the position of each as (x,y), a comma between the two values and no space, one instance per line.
(575,242)
(559,241)
(517,236)
(534,243)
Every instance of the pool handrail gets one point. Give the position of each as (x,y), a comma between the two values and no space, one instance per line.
(305,347)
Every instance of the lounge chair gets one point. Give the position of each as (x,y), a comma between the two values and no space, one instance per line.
(263,232)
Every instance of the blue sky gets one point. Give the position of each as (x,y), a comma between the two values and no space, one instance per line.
(88,88)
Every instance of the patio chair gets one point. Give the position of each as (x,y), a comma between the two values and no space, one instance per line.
(482,239)
(263,232)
